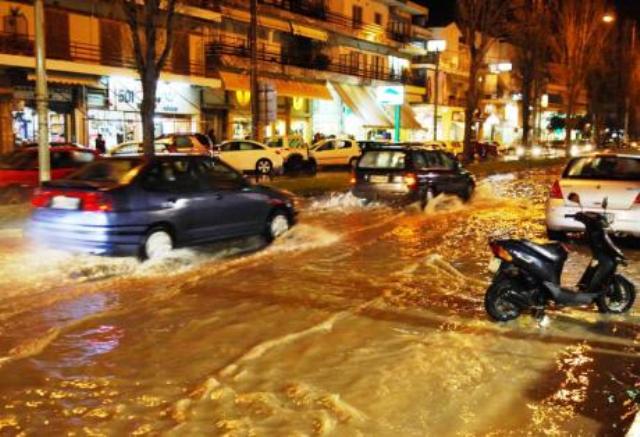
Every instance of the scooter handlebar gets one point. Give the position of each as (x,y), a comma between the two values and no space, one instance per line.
(569,216)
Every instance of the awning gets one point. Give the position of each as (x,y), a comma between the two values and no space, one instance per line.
(287,88)
(408,120)
(363,104)
(67,79)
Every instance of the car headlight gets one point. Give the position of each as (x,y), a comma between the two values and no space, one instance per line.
(519,151)
(588,148)
(574,151)
(536,151)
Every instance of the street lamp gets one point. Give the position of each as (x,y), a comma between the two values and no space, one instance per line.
(608,18)
(436,46)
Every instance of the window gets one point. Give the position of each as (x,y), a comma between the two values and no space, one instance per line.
(183,143)
(419,162)
(108,170)
(173,177)
(231,147)
(604,168)
(343,145)
(377,18)
(329,145)
(383,159)
(432,159)
(215,175)
(247,147)
(448,161)
(357,16)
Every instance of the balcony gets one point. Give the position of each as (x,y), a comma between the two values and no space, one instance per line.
(22,45)
(237,47)
(309,8)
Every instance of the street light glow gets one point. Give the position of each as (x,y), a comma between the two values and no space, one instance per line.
(436,45)
(608,18)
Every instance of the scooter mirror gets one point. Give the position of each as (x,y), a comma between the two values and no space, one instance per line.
(574,197)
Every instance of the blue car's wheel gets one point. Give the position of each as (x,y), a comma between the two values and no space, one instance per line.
(277,225)
(157,244)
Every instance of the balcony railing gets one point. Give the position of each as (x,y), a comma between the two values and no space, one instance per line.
(90,53)
(229,46)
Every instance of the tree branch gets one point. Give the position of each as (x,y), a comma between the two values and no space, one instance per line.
(171,9)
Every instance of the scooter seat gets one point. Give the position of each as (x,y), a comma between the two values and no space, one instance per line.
(551,251)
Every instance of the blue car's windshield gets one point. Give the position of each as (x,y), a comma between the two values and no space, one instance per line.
(117,171)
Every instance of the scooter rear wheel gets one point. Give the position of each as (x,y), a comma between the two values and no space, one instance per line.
(619,297)
(497,305)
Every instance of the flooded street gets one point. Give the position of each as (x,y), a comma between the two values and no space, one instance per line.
(360,321)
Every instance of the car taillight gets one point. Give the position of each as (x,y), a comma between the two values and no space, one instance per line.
(637,201)
(500,252)
(353,179)
(41,198)
(95,202)
(410,180)
(555,192)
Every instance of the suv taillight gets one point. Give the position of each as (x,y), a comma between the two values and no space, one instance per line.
(410,180)
(555,192)
(41,198)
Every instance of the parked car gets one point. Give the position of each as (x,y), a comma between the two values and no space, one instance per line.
(406,174)
(133,206)
(611,176)
(335,152)
(294,151)
(19,170)
(187,143)
(251,156)
(136,148)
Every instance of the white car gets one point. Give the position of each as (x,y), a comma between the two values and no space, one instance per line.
(595,177)
(293,149)
(136,148)
(251,156)
(335,152)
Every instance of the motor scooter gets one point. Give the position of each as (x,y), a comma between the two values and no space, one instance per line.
(527,275)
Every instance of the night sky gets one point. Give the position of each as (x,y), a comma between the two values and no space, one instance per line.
(445,9)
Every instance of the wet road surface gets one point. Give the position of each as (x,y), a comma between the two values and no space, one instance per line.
(360,321)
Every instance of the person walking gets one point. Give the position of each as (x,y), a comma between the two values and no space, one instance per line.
(101,145)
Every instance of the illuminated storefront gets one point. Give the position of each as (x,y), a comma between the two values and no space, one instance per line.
(25,119)
(116,114)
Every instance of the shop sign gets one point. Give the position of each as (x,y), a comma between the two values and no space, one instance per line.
(171,98)
(96,100)
(62,95)
(390,95)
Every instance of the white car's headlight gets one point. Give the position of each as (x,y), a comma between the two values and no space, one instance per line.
(519,151)
(536,151)
(574,151)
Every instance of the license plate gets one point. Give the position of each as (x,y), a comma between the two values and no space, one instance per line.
(377,179)
(494,265)
(64,202)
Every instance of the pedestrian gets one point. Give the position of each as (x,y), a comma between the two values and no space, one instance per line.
(101,145)
(212,136)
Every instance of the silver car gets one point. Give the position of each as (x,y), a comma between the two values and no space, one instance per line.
(596,177)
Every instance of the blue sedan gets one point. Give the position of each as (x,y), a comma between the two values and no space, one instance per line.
(134,206)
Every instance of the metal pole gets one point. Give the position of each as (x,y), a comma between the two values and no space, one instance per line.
(435,98)
(397,123)
(255,88)
(627,102)
(42,95)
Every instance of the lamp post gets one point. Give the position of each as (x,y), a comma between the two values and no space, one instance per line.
(436,46)
(627,101)
(42,96)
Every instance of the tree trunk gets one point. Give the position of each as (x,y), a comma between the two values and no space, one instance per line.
(469,110)
(569,119)
(526,118)
(148,110)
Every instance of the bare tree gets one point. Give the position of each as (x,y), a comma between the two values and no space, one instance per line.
(530,32)
(580,35)
(480,21)
(147,20)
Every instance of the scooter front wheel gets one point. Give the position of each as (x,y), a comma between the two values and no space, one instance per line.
(619,297)
(498,305)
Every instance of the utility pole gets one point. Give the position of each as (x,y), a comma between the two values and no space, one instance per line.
(255,86)
(435,97)
(42,95)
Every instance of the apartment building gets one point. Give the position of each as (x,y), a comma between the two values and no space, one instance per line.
(326,60)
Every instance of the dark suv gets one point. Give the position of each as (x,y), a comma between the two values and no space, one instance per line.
(407,174)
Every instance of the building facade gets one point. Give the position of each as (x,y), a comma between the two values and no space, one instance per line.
(325,59)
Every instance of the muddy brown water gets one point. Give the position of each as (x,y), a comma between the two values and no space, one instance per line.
(360,321)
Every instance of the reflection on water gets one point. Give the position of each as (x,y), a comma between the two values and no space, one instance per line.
(363,320)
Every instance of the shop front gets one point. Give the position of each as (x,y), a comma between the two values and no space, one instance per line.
(296,102)
(116,114)
(362,116)
(24,116)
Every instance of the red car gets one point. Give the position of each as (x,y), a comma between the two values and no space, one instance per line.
(19,169)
